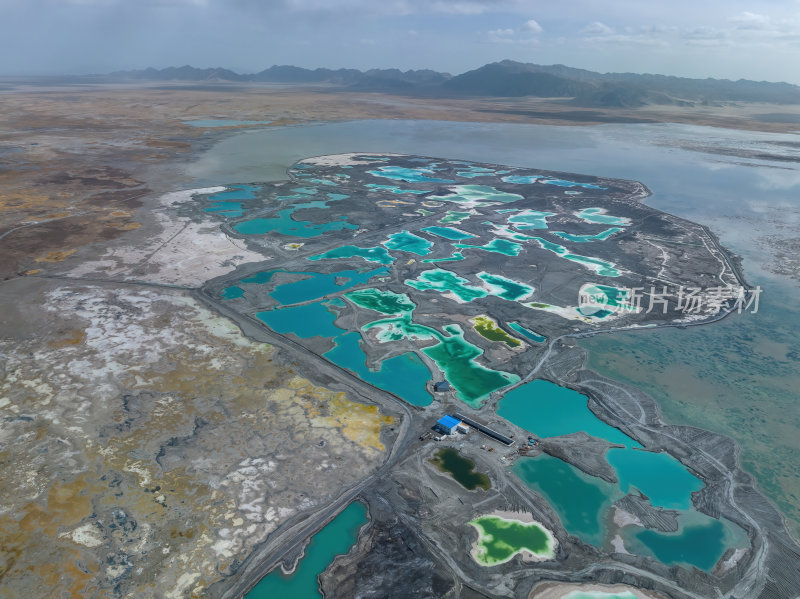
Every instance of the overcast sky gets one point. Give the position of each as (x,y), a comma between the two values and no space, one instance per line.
(697,38)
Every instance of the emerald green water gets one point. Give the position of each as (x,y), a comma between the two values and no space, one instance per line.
(508,289)
(665,481)
(448,233)
(306,321)
(335,539)
(527,333)
(383,301)
(498,246)
(579,500)
(373,254)
(454,356)
(445,281)
(461,468)
(405,375)
(408,242)
(454,217)
(547,410)
(500,539)
(587,238)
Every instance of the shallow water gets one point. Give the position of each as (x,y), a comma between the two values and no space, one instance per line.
(335,539)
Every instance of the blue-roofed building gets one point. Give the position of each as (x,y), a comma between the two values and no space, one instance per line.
(447,424)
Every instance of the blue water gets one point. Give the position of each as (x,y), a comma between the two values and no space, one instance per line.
(405,375)
(321,284)
(335,539)
(230,203)
(306,321)
(409,175)
(547,410)
(665,481)
(527,333)
(232,292)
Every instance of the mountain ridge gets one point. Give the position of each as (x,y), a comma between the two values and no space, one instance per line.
(505,78)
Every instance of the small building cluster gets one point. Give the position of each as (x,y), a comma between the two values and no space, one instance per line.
(448,425)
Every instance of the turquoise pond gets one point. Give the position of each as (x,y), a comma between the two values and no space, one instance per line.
(497,246)
(597,215)
(527,333)
(316,285)
(547,410)
(395,189)
(335,539)
(231,203)
(582,503)
(409,175)
(285,224)
(405,375)
(408,242)
(507,289)
(454,257)
(527,220)
(305,321)
(579,500)
(373,254)
(232,292)
(445,281)
(448,233)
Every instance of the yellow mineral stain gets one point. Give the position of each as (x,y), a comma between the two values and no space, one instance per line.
(56,256)
(74,337)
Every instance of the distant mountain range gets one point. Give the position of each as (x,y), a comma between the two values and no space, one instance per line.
(504,79)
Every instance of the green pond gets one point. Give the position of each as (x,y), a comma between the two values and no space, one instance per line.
(445,281)
(408,242)
(547,410)
(500,539)
(383,301)
(488,329)
(335,539)
(454,356)
(527,333)
(405,375)
(454,217)
(448,233)
(461,468)
(579,500)
(373,254)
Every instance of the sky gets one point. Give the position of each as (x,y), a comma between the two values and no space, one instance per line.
(694,38)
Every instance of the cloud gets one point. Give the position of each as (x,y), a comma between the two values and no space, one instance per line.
(597,29)
(752,21)
(501,32)
(531,26)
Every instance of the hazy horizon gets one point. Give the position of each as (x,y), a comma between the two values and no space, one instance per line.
(733,39)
